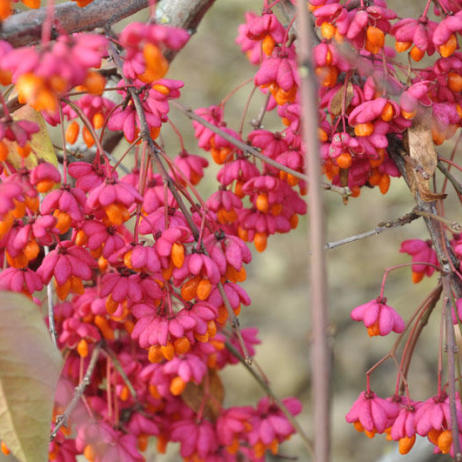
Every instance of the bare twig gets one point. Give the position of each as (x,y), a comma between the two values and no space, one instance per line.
(445,171)
(306,441)
(78,393)
(321,355)
(380,228)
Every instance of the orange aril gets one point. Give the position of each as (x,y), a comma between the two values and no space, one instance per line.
(162,442)
(375,39)
(364,129)
(155,356)
(203,289)
(3,151)
(177,386)
(344,160)
(63,222)
(124,393)
(168,351)
(384,184)
(81,238)
(327,75)
(417,277)
(82,348)
(402,46)
(445,441)
(31,250)
(117,213)
(24,151)
(98,120)
(293,221)
(156,64)
(328,30)
(20,261)
(455,82)
(189,288)
(267,45)
(177,254)
(104,327)
(408,115)
(142,441)
(405,444)
(5,11)
(87,137)
(388,112)
(89,453)
(243,233)
(111,305)
(45,186)
(211,329)
(226,216)
(260,240)
(416,53)
(262,203)
(182,345)
(95,83)
(63,290)
(448,48)
(72,132)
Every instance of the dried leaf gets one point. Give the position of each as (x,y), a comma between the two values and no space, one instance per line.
(211,390)
(336,103)
(40,142)
(422,161)
(29,370)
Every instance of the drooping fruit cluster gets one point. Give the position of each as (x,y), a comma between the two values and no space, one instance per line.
(141,275)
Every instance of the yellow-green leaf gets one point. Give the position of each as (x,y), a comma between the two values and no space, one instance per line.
(29,369)
(40,143)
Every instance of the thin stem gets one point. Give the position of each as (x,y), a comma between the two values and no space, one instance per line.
(246,109)
(234,91)
(402,265)
(178,133)
(78,393)
(118,367)
(126,152)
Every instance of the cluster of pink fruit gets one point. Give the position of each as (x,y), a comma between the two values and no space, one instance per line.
(148,280)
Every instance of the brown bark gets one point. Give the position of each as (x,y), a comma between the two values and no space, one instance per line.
(26,28)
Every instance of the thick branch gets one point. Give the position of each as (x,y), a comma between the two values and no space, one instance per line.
(440,241)
(26,28)
(320,351)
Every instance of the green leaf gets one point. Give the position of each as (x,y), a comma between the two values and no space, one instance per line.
(29,369)
(40,143)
